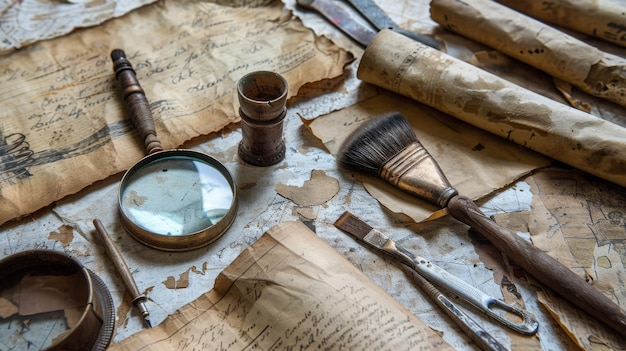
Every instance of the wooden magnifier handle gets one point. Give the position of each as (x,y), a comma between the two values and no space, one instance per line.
(136,101)
(540,265)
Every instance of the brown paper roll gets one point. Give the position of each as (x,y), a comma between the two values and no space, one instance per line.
(604,19)
(530,41)
(484,100)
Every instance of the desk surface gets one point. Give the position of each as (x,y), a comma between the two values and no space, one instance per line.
(171,280)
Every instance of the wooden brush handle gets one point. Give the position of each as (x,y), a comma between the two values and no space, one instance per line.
(540,265)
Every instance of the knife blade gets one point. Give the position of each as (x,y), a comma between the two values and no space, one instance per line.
(356,30)
(379,19)
(373,13)
(341,18)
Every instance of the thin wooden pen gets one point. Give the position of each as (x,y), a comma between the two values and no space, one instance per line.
(139,299)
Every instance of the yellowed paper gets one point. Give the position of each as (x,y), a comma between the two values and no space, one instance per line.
(605,19)
(27,21)
(566,91)
(7,308)
(73,316)
(62,122)
(289,291)
(316,191)
(47,293)
(505,67)
(582,224)
(585,331)
(581,140)
(543,47)
(474,161)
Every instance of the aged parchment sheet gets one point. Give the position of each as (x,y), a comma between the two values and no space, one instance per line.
(582,223)
(605,19)
(27,21)
(289,290)
(66,226)
(530,41)
(491,103)
(474,161)
(63,126)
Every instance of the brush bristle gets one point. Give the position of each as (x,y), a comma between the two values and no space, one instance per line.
(352,225)
(374,143)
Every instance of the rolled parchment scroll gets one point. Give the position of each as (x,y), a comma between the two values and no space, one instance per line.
(498,106)
(604,19)
(537,44)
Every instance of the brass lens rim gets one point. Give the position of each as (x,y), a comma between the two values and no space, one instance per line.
(189,241)
(94,330)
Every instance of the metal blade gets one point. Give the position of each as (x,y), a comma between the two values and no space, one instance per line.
(374,14)
(341,18)
(379,19)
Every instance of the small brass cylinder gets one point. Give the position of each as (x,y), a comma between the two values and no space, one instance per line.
(262,99)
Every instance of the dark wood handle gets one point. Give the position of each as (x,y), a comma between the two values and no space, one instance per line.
(540,265)
(136,101)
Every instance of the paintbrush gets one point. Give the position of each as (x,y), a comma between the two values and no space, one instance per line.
(427,271)
(387,148)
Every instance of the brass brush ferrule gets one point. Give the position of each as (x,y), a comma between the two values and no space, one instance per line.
(415,171)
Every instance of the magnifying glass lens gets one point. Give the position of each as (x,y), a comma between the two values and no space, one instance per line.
(176,195)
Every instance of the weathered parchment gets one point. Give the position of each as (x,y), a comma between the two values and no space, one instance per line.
(582,224)
(474,161)
(477,97)
(62,123)
(289,291)
(605,19)
(316,191)
(27,21)
(543,47)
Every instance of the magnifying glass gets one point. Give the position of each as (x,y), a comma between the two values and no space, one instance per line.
(172,200)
